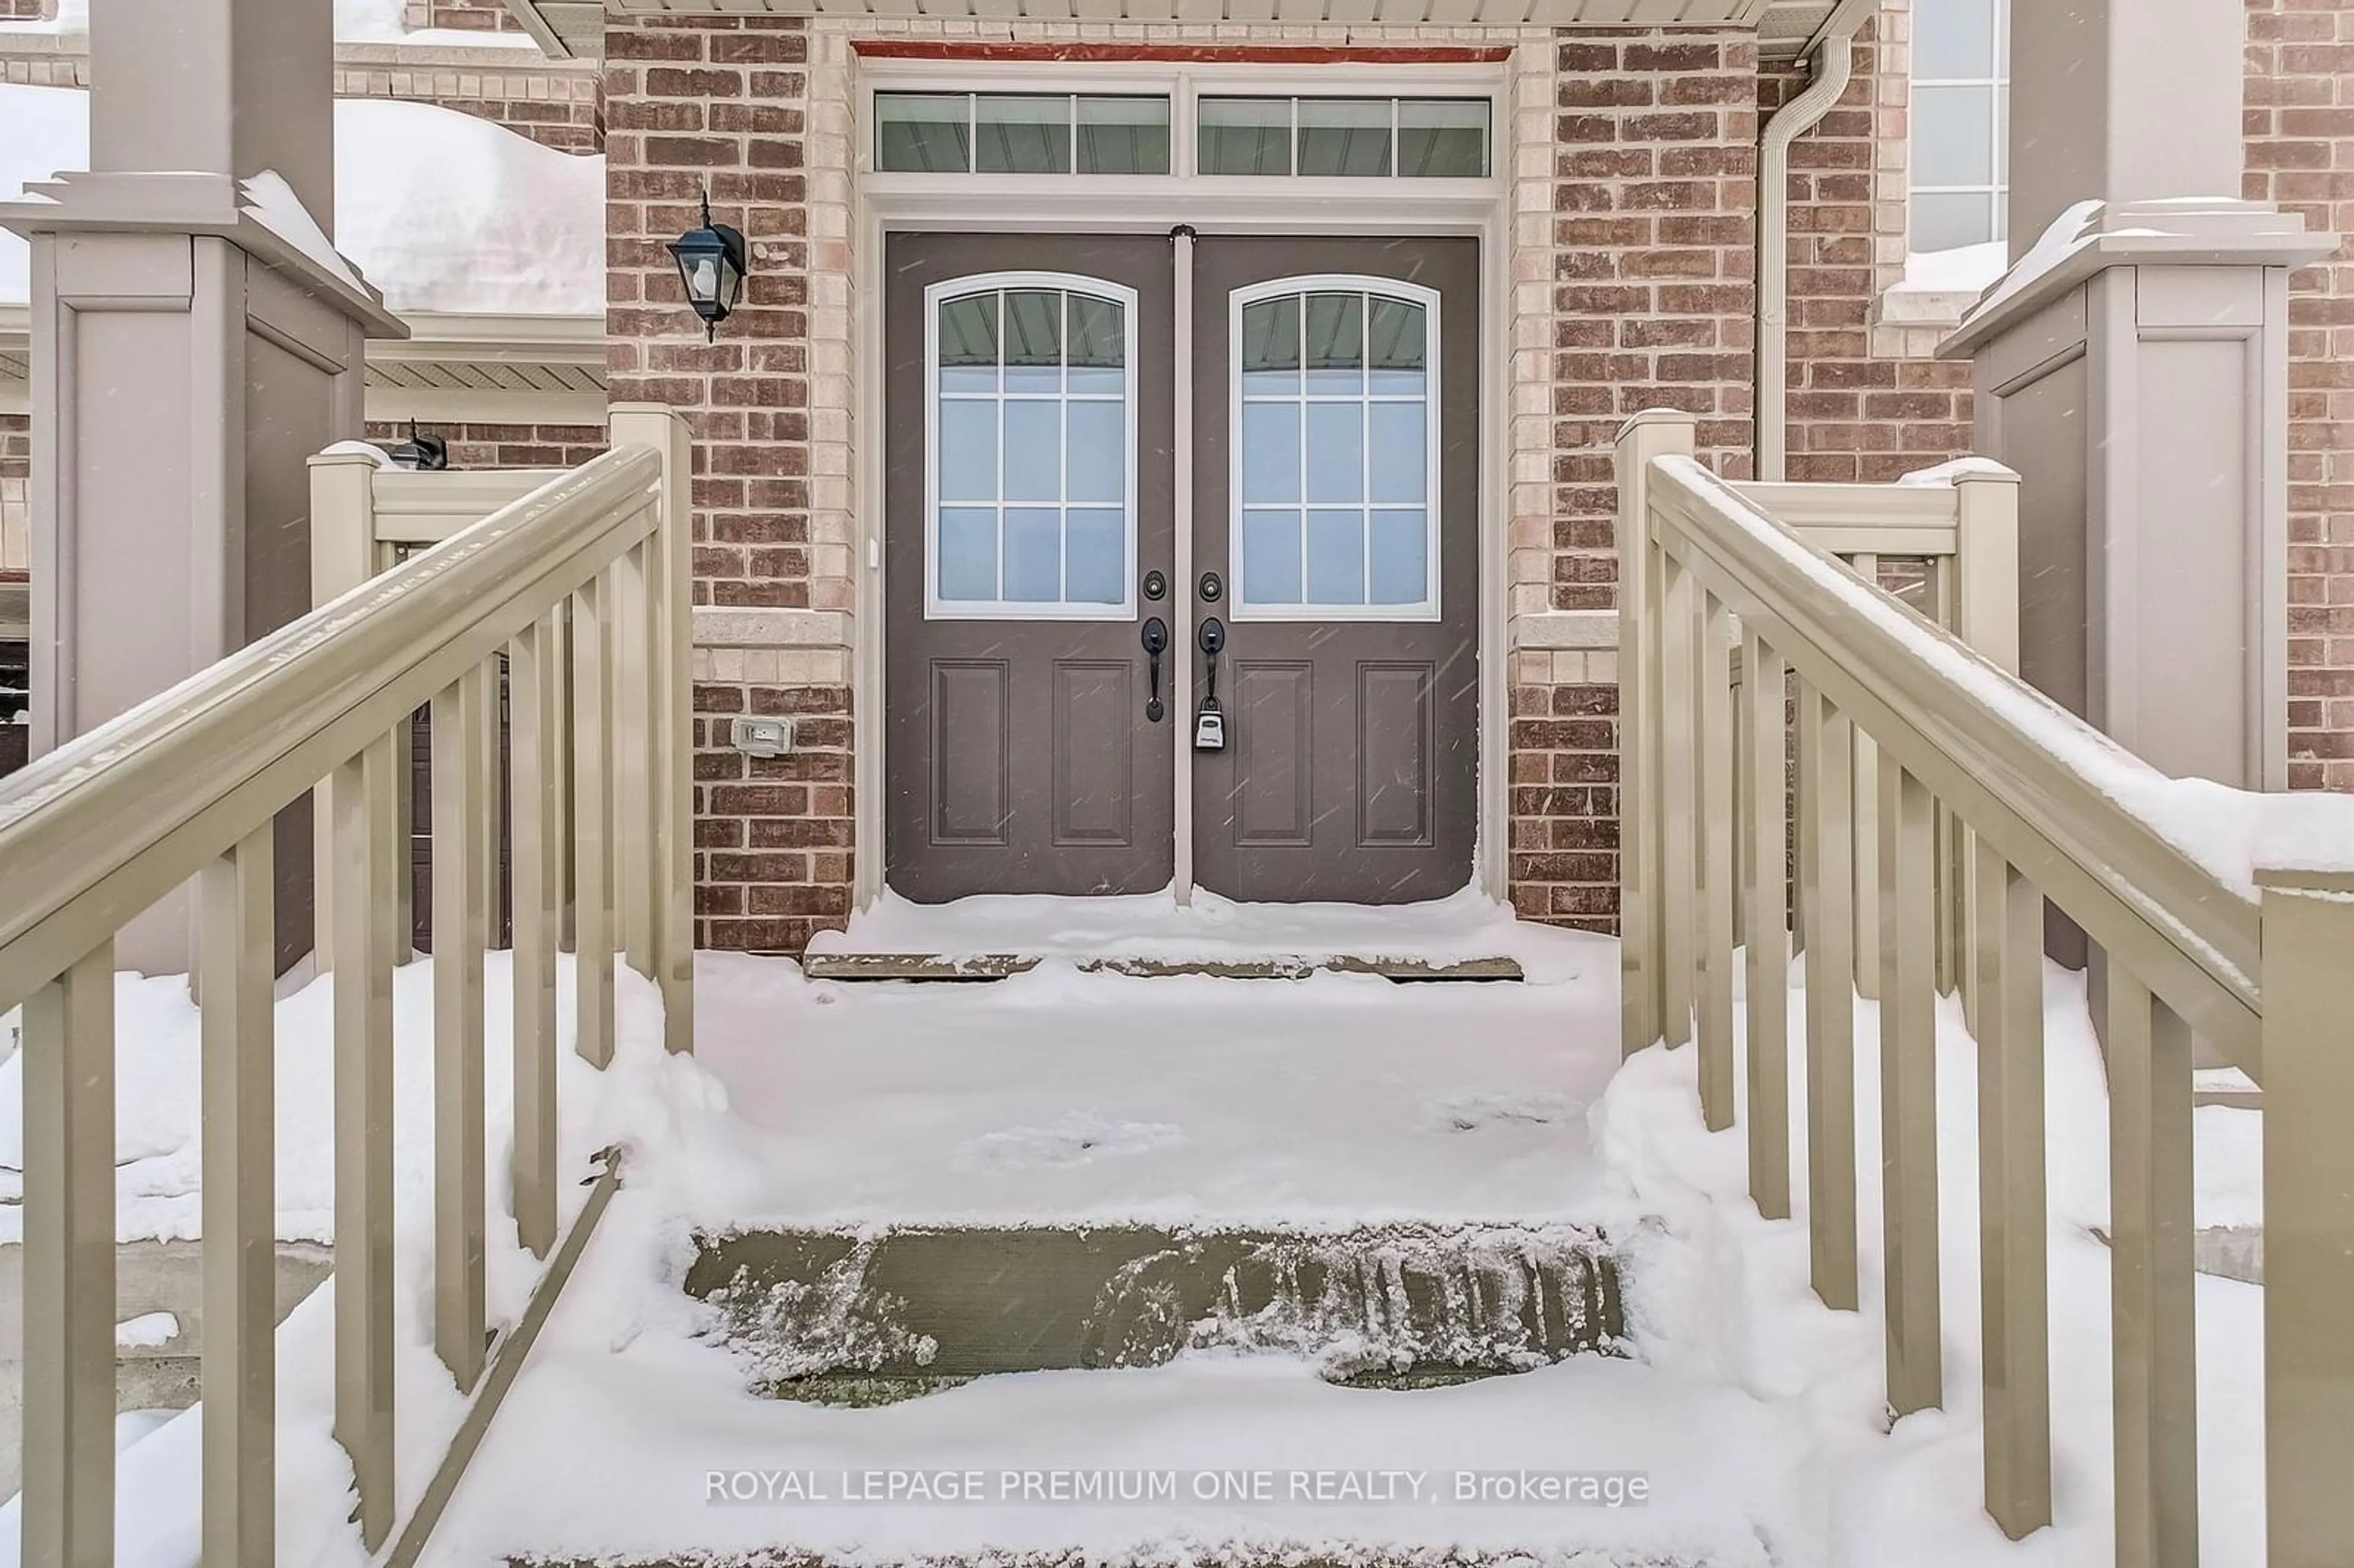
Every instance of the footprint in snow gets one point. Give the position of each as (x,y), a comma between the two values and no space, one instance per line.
(1470,1113)
(1076,1137)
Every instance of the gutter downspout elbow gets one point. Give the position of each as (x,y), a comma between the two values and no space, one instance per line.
(1833,67)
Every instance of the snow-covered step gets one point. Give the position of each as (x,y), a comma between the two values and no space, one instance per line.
(866,1316)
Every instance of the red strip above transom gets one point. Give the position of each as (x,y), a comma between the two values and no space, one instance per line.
(1175,54)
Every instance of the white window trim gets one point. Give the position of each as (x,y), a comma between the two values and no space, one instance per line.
(935,607)
(1241,609)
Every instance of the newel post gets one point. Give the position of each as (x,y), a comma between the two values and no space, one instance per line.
(2308,1085)
(671,624)
(342,556)
(1654,433)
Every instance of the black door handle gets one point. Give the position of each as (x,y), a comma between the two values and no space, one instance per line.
(1156,644)
(1209,719)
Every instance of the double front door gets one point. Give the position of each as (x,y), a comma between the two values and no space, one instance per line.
(1065,675)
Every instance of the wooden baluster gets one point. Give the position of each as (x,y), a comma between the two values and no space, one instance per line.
(1986,616)
(460,926)
(2153,1343)
(1644,438)
(1679,797)
(363,916)
(1825,892)
(1712,704)
(533,669)
(632,756)
(238,1381)
(592,800)
(1766,875)
(1908,1089)
(69,1262)
(1866,800)
(2309,1079)
(568,849)
(2012,1227)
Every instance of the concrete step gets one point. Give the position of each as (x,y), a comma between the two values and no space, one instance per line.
(880,1315)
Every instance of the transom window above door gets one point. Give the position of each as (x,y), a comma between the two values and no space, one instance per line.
(1031,420)
(1373,137)
(1336,450)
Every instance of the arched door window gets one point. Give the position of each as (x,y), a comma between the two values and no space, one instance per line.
(1335,451)
(1031,509)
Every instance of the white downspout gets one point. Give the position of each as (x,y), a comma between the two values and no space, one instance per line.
(1834,56)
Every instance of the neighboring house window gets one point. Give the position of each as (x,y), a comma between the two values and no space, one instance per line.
(1961,103)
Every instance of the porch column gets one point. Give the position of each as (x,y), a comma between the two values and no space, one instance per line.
(196,338)
(2131,366)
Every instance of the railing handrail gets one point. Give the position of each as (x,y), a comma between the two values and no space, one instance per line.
(102,826)
(2032,789)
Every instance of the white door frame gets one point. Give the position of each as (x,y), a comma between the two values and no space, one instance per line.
(1212,206)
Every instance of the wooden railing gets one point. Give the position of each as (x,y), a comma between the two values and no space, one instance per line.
(2261,971)
(186,786)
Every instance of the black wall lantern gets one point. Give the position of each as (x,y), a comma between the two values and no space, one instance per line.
(711,264)
(427,454)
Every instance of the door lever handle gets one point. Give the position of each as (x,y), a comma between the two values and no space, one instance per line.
(1156,644)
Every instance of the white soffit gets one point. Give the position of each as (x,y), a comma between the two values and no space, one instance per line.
(577,27)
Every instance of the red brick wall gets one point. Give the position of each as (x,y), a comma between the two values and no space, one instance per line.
(2299,105)
(1654,268)
(722,102)
(23,10)
(1853,415)
(502,446)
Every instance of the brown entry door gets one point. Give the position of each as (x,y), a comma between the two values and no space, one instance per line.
(1336,503)
(1027,493)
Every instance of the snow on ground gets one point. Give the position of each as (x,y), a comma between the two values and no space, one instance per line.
(1469,925)
(442,211)
(1754,1413)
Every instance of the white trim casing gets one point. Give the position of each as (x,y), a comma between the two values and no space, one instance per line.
(1242,607)
(984,204)
(1067,283)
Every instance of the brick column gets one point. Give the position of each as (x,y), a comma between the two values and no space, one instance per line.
(721,103)
(1654,265)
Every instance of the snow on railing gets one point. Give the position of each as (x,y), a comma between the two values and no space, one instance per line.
(575,585)
(2213,915)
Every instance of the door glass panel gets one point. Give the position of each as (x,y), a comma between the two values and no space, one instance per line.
(1034,555)
(1270,557)
(1335,473)
(1336,345)
(1336,452)
(1022,133)
(1271,349)
(1270,453)
(1336,557)
(1098,454)
(1098,347)
(1344,136)
(1033,342)
(1030,488)
(1398,551)
(969,343)
(1095,556)
(968,552)
(1400,460)
(1033,449)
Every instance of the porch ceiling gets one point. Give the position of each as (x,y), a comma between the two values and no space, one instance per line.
(577,27)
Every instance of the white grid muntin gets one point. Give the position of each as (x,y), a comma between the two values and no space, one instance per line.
(1996,89)
(937,296)
(1395,102)
(1070,101)
(1243,607)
